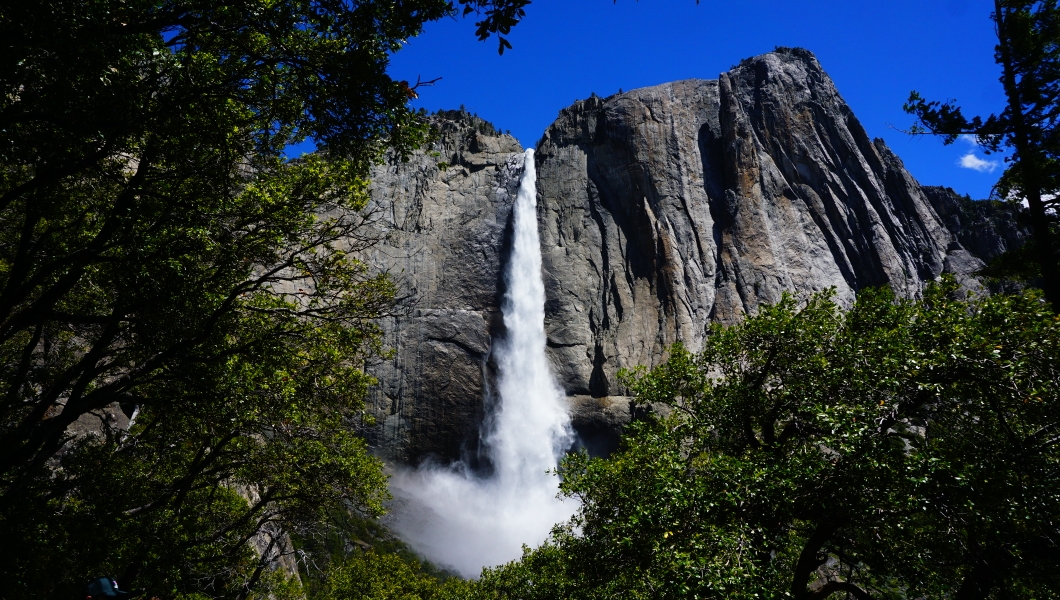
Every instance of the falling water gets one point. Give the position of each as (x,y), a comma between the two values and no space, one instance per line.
(450,515)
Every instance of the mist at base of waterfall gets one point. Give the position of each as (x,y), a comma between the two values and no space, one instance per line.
(462,521)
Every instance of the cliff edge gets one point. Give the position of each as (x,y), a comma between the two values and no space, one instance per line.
(660,210)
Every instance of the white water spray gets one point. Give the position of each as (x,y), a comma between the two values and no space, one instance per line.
(456,519)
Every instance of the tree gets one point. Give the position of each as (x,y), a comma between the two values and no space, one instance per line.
(1028,51)
(376,576)
(901,449)
(161,258)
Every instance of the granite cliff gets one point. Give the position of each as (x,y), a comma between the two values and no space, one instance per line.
(442,221)
(660,210)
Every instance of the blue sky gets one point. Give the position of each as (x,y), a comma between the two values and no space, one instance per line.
(876,52)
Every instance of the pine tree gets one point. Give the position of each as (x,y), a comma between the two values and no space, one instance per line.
(1028,51)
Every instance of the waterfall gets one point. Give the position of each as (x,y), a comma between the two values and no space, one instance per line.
(457,519)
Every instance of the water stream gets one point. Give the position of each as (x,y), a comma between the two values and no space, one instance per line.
(458,519)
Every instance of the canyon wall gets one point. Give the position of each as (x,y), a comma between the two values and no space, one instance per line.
(441,219)
(660,210)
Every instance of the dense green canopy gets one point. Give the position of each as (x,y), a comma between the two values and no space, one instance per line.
(160,258)
(901,449)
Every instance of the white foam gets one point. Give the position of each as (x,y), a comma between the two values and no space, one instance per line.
(448,514)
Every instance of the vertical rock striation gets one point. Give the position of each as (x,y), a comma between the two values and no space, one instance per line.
(441,219)
(666,208)
(660,210)
(986,229)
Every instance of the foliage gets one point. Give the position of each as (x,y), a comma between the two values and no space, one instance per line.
(1018,265)
(500,17)
(380,576)
(1028,52)
(901,449)
(344,534)
(161,259)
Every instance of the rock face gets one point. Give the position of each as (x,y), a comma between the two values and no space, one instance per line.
(442,219)
(985,228)
(669,207)
(660,210)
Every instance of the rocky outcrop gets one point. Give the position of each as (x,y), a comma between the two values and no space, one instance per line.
(660,210)
(441,218)
(666,208)
(986,228)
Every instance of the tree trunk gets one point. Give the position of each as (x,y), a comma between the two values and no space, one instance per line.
(1030,164)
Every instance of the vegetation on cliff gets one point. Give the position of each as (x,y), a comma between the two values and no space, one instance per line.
(184,320)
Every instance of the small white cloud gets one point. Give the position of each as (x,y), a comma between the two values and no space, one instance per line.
(969,139)
(971,161)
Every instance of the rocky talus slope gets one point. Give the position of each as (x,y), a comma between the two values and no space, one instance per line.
(660,210)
